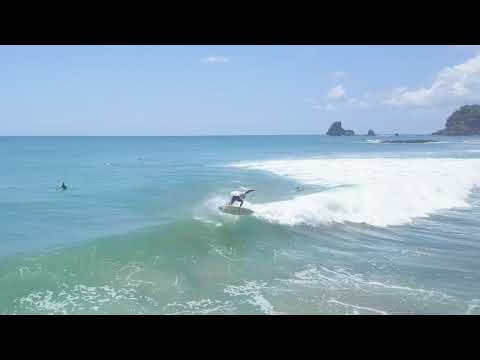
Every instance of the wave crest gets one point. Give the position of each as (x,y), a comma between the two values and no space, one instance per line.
(377,191)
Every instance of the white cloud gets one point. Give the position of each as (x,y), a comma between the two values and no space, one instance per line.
(215,60)
(453,85)
(327,107)
(359,103)
(330,107)
(341,101)
(337,92)
(339,74)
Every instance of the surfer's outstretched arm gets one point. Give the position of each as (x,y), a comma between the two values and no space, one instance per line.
(248,191)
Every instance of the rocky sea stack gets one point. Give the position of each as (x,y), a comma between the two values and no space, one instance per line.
(371,133)
(336,129)
(465,121)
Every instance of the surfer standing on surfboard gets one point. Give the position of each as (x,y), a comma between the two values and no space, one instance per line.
(239,196)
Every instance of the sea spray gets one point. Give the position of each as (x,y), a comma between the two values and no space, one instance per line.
(379,192)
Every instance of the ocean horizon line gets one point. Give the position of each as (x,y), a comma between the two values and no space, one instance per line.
(216,135)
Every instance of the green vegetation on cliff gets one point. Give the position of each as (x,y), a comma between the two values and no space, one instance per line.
(465,121)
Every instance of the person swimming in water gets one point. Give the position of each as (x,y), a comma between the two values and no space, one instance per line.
(239,196)
(62,187)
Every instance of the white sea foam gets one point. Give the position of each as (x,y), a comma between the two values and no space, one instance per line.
(201,307)
(79,298)
(207,221)
(208,211)
(356,308)
(342,280)
(472,306)
(252,290)
(376,191)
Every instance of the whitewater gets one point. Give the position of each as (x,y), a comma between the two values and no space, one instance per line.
(379,192)
(341,225)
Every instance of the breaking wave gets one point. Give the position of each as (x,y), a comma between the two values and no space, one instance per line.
(378,191)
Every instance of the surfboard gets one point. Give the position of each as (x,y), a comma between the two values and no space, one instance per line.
(235,210)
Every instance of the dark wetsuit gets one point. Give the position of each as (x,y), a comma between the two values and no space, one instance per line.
(236,198)
(239,196)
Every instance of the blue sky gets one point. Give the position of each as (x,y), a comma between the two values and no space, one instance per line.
(216,90)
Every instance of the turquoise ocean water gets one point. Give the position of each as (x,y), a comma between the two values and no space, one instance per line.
(377,229)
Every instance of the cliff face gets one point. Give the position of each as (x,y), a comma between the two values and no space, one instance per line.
(465,121)
(336,129)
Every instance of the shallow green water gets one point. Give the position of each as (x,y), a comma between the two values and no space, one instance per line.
(377,229)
